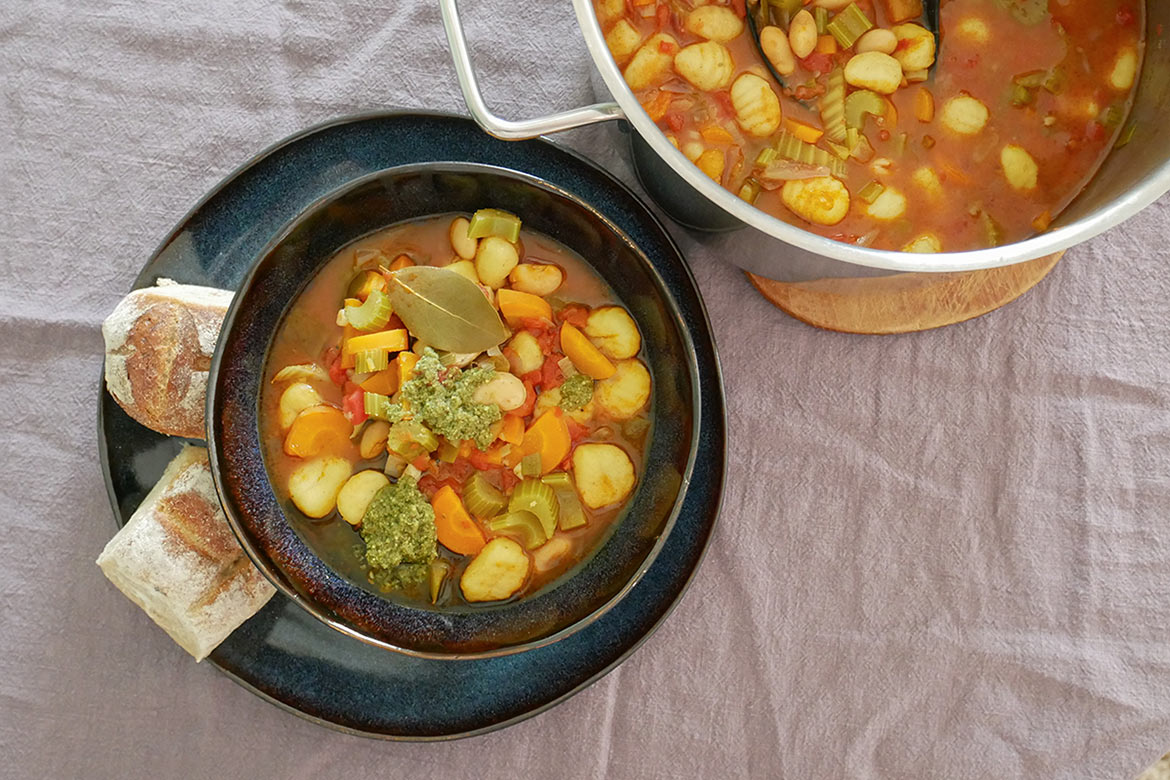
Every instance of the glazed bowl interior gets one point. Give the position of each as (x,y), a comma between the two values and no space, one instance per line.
(1130,179)
(314,563)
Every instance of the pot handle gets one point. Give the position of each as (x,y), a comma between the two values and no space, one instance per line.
(499,127)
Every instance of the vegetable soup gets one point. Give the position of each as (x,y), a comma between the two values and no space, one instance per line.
(872,139)
(467,398)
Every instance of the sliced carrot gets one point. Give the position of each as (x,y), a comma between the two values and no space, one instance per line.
(586,358)
(347,358)
(923,105)
(371,280)
(803,130)
(549,436)
(389,340)
(826,44)
(517,306)
(400,262)
(513,430)
(658,105)
(384,382)
(714,134)
(457,531)
(318,429)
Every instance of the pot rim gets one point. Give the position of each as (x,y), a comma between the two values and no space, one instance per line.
(1154,185)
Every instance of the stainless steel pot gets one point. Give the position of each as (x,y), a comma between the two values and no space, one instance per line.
(1131,178)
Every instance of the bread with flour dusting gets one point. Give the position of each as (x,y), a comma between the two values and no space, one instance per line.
(178,560)
(159,343)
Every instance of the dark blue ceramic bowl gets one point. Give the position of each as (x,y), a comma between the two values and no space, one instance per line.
(313,564)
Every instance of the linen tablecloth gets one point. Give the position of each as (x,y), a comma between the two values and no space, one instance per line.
(941,555)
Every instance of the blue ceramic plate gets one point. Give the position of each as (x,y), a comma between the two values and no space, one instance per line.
(283,653)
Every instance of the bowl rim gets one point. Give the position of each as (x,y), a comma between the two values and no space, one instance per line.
(1152,185)
(262,559)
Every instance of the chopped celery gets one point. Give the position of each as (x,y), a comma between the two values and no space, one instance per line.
(370,360)
(571,514)
(849,25)
(792,148)
(838,149)
(1031,80)
(523,525)
(766,155)
(821,16)
(411,439)
(448,452)
(494,222)
(860,103)
(532,495)
(1126,135)
(750,190)
(530,465)
(1056,80)
(1112,117)
(903,139)
(833,106)
(438,573)
(371,315)
(1022,96)
(870,192)
(380,407)
(482,498)
(992,231)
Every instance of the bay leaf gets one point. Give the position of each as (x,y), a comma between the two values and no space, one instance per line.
(445,310)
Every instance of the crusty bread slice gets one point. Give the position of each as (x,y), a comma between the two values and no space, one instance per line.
(178,560)
(159,343)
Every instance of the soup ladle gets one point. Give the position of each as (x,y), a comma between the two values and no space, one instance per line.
(758,17)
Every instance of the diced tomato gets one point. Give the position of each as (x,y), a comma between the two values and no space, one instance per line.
(337,374)
(675,120)
(483,461)
(545,333)
(508,480)
(353,404)
(577,431)
(740,8)
(1125,16)
(422,462)
(575,314)
(428,486)
(550,373)
(1094,131)
(663,17)
(666,47)
(529,404)
(818,62)
(722,99)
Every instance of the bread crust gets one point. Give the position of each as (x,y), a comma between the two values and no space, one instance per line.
(177,559)
(159,343)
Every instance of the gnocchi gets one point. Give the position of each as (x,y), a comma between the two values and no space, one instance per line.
(623,40)
(496,572)
(757,109)
(357,492)
(651,62)
(715,23)
(313,486)
(706,65)
(604,474)
(536,278)
(614,332)
(494,260)
(1019,168)
(823,200)
(888,206)
(965,115)
(626,393)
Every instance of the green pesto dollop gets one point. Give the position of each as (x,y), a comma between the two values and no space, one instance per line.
(441,397)
(399,531)
(576,391)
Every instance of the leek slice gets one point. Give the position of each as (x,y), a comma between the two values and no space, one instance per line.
(371,315)
(870,192)
(533,495)
(524,526)
(849,25)
(494,222)
(481,497)
(750,190)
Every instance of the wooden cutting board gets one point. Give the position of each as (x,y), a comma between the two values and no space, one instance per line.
(903,303)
